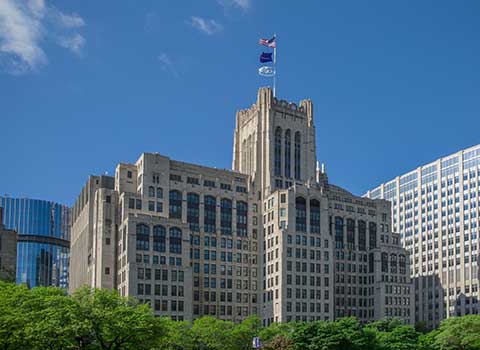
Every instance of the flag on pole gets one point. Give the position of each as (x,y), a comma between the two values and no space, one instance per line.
(266,71)
(266,57)
(268,42)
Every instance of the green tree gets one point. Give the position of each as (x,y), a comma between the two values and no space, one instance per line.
(458,333)
(279,342)
(243,333)
(106,320)
(276,329)
(209,333)
(344,334)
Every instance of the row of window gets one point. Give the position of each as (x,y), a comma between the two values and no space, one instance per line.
(159,238)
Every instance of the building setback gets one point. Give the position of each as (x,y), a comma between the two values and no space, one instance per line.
(272,237)
(435,209)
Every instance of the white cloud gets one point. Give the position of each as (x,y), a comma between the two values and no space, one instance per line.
(240,4)
(168,65)
(74,43)
(207,26)
(21,31)
(25,25)
(70,21)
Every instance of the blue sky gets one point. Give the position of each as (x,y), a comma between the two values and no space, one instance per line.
(86,84)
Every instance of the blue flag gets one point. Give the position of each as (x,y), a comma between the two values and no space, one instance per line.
(266,57)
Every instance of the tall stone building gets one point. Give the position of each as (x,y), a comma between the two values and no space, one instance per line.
(435,209)
(272,237)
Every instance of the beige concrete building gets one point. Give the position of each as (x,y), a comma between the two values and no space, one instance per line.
(272,237)
(435,209)
(8,252)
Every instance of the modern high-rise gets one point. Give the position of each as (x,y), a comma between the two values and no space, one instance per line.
(435,209)
(270,237)
(43,229)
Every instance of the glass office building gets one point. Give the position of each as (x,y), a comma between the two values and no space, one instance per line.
(436,211)
(43,246)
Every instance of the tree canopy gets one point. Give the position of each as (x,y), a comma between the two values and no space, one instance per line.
(90,319)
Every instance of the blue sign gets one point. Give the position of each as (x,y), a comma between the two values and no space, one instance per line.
(256,343)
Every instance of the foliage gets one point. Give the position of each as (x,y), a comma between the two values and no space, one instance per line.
(91,319)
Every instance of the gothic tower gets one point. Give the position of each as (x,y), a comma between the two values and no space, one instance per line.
(274,141)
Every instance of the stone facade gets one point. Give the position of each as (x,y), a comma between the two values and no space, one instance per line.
(8,252)
(272,237)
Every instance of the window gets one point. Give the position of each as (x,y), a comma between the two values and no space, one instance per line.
(159,207)
(210,211)
(362,235)
(143,237)
(301,214)
(159,192)
(393,263)
(159,238)
(314,216)
(175,238)
(209,183)
(384,262)
(242,209)
(226,216)
(350,233)
(372,230)
(278,152)
(131,203)
(297,155)
(193,180)
(175,205)
(175,177)
(151,191)
(402,264)
(227,187)
(151,205)
(193,211)
(288,145)
(338,232)
(129,174)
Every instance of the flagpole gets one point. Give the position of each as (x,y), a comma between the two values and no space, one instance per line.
(274,65)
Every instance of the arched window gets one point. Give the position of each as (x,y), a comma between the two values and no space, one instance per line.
(288,145)
(151,191)
(143,237)
(159,238)
(210,214)
(402,264)
(175,237)
(175,205)
(297,156)
(226,216)
(301,214)
(193,211)
(338,232)
(350,233)
(393,263)
(372,232)
(384,262)
(362,235)
(278,151)
(314,216)
(159,193)
(242,209)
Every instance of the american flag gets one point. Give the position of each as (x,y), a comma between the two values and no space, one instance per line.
(268,42)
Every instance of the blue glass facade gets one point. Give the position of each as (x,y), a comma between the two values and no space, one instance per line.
(43,240)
